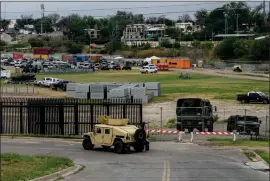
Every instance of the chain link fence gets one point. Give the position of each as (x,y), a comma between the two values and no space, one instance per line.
(246,67)
(164,116)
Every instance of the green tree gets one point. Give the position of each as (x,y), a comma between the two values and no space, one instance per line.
(242,47)
(46,25)
(225,49)
(2,45)
(112,46)
(4,24)
(75,48)
(36,42)
(201,17)
(260,50)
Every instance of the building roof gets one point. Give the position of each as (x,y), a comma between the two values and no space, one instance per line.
(234,35)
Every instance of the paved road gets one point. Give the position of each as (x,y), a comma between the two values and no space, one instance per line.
(165,161)
(215,73)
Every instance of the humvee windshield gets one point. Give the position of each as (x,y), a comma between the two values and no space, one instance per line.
(248,118)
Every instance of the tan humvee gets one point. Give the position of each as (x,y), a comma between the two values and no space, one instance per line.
(116,133)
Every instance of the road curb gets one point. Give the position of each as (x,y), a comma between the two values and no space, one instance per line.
(61,174)
(41,138)
(259,164)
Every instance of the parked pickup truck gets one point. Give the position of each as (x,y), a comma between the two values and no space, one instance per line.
(46,82)
(253,97)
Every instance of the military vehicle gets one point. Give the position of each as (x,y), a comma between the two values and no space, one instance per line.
(116,133)
(247,124)
(194,113)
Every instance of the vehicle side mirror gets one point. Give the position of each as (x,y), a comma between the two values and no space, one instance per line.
(215,108)
(260,121)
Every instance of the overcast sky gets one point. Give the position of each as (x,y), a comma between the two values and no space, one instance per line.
(13,10)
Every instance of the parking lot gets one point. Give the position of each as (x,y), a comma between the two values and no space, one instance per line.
(166,161)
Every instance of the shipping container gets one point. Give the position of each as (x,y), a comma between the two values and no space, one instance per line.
(41,57)
(186,64)
(80,58)
(17,56)
(95,58)
(163,66)
(28,55)
(44,51)
(179,63)
(156,61)
(67,58)
(6,55)
(56,56)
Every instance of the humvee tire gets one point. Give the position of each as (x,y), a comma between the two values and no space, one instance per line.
(106,147)
(87,144)
(140,135)
(119,146)
(139,146)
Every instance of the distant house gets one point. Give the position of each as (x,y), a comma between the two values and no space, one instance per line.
(6,38)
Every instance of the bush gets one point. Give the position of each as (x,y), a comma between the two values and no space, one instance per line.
(75,48)
(171,123)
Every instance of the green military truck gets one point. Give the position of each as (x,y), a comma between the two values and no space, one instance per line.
(244,124)
(194,113)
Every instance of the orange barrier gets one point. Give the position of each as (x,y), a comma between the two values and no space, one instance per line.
(178,63)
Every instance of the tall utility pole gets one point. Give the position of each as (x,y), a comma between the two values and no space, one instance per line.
(264,12)
(42,16)
(226,22)
(237,16)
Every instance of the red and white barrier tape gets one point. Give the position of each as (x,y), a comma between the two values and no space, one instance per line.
(215,133)
(163,131)
(199,133)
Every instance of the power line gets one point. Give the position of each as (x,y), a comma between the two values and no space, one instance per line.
(163,13)
(105,9)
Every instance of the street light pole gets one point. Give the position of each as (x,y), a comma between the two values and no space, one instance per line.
(237,15)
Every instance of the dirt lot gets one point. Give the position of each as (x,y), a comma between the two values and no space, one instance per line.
(225,108)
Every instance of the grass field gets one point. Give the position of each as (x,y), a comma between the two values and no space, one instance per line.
(229,142)
(16,167)
(171,86)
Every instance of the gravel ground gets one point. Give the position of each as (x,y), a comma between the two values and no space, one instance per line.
(225,108)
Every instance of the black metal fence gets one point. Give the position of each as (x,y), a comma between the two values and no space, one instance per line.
(62,116)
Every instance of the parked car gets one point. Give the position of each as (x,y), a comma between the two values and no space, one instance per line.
(105,67)
(116,133)
(5,73)
(127,67)
(246,124)
(148,69)
(60,85)
(253,97)
(21,64)
(152,65)
(117,67)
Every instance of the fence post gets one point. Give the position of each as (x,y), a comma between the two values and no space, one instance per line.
(76,118)
(92,116)
(191,139)
(124,111)
(61,118)
(107,108)
(234,137)
(266,120)
(1,117)
(180,136)
(42,118)
(141,113)
(161,111)
(21,118)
